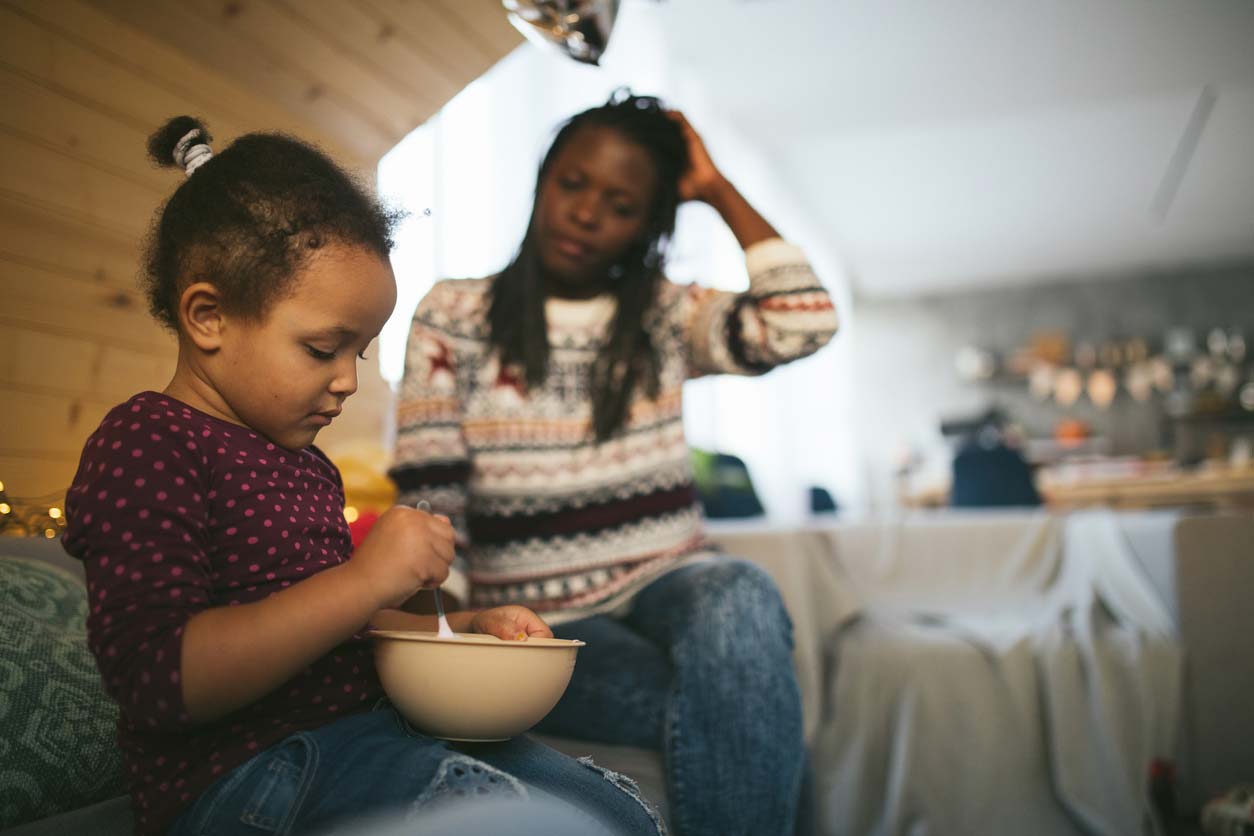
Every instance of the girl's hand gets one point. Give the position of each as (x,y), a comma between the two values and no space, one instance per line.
(702,180)
(511,623)
(406,550)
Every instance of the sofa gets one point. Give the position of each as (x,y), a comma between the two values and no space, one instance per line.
(961,672)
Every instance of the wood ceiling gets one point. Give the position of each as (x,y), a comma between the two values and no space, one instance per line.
(363,72)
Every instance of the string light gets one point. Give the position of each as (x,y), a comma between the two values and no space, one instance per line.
(40,516)
(351,514)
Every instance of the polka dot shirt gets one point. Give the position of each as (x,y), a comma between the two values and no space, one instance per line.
(173,512)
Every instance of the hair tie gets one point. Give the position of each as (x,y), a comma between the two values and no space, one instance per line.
(191,157)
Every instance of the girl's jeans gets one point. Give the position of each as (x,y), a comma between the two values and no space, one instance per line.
(359,773)
(700,669)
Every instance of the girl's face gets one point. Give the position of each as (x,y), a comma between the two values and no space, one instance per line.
(288,375)
(593,205)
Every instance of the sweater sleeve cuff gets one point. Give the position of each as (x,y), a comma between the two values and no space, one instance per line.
(771,253)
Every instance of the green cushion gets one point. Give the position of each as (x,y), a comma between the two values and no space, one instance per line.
(42,592)
(58,747)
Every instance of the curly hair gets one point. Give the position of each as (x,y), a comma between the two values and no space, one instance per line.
(628,358)
(248,219)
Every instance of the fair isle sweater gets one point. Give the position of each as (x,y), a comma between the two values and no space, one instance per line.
(546,516)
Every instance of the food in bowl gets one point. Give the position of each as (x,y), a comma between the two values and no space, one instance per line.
(474,688)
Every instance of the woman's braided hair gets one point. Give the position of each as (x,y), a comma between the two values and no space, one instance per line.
(628,358)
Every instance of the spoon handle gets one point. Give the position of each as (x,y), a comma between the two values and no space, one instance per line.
(445,631)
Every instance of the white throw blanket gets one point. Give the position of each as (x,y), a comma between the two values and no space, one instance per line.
(1006,676)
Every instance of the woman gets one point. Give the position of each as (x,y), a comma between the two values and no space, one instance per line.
(541,411)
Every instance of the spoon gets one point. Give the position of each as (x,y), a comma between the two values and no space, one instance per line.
(445,631)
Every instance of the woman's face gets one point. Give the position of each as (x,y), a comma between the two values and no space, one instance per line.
(594,203)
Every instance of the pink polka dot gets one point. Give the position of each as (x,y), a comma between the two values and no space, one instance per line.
(117,471)
(158,465)
(136,453)
(253,567)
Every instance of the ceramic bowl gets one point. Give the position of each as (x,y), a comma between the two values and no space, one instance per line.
(474,687)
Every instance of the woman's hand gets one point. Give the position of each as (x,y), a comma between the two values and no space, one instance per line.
(511,623)
(702,180)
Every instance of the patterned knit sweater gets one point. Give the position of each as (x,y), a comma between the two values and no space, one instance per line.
(546,516)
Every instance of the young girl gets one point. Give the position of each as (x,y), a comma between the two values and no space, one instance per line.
(226,614)
(541,411)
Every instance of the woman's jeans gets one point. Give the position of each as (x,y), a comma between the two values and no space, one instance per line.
(700,669)
(360,774)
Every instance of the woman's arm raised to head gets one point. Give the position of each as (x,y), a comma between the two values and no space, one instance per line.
(704,182)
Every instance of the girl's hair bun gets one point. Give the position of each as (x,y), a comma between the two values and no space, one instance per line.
(162,143)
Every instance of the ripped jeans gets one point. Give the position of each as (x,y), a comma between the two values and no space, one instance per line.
(701,670)
(373,768)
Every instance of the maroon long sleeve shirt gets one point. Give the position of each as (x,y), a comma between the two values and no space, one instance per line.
(173,512)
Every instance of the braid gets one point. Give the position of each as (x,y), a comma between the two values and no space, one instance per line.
(628,359)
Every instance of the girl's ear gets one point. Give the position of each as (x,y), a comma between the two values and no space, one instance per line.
(200,315)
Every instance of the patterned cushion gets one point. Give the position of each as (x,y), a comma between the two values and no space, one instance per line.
(57,725)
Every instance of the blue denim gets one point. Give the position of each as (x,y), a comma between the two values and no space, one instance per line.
(700,669)
(338,778)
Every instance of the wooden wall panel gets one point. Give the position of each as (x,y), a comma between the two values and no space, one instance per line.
(82,84)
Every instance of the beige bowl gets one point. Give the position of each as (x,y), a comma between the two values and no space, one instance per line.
(474,687)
